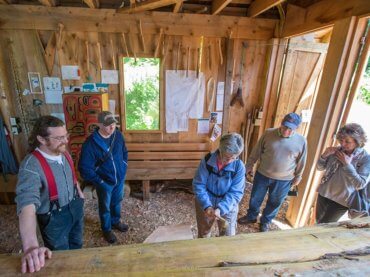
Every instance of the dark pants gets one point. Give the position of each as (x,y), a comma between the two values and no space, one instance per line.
(277,189)
(110,198)
(328,210)
(63,229)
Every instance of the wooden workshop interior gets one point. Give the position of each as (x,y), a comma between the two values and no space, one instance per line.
(253,61)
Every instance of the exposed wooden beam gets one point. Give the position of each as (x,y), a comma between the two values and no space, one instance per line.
(259,6)
(108,20)
(5,2)
(321,15)
(219,5)
(92,4)
(48,3)
(177,6)
(146,6)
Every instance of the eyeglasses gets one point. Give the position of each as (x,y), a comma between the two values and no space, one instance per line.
(61,138)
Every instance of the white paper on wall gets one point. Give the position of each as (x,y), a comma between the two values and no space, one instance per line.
(70,72)
(109,76)
(203,126)
(53,90)
(112,106)
(219,102)
(216,132)
(184,99)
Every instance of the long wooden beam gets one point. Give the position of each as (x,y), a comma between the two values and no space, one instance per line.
(146,6)
(326,250)
(219,5)
(259,6)
(108,20)
(321,15)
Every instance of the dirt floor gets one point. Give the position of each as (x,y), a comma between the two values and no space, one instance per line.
(171,205)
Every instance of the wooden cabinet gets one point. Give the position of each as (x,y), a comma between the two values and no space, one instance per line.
(81,113)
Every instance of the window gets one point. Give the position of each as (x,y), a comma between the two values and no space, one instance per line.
(141,89)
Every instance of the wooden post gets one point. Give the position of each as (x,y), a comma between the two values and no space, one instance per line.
(228,85)
(146,190)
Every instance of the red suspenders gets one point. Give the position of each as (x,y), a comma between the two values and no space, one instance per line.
(53,191)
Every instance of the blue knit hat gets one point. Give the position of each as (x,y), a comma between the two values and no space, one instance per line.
(292,121)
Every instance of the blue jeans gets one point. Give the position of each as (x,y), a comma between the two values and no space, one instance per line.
(278,190)
(63,229)
(110,198)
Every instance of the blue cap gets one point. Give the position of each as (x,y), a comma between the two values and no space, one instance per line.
(292,121)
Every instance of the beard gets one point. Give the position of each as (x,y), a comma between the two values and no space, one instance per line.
(57,150)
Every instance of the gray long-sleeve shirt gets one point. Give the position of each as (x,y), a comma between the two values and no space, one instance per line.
(346,179)
(32,186)
(280,158)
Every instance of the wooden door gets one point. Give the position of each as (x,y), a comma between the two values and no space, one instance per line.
(300,79)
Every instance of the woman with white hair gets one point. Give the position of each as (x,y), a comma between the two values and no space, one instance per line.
(219,186)
(346,178)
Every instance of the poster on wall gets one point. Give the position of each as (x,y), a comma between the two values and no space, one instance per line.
(203,126)
(53,90)
(35,82)
(109,76)
(71,72)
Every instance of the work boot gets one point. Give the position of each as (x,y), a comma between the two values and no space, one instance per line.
(109,236)
(120,227)
(245,220)
(264,227)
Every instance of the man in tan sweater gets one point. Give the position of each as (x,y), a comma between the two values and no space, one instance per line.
(282,156)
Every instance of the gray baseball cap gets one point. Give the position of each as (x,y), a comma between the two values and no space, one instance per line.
(106,118)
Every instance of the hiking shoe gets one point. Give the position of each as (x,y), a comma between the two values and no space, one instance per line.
(245,220)
(264,227)
(109,236)
(120,227)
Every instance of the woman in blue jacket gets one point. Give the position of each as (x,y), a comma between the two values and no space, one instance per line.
(103,162)
(219,186)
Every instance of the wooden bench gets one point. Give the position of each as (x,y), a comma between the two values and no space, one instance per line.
(163,161)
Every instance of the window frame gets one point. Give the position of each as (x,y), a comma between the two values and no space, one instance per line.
(122,95)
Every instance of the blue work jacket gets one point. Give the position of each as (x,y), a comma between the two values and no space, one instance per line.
(223,190)
(113,170)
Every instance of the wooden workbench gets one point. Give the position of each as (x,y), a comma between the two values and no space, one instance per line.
(297,251)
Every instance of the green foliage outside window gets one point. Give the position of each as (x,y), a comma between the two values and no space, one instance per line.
(364,94)
(141,93)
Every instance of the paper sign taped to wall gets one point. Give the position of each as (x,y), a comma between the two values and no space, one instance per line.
(70,72)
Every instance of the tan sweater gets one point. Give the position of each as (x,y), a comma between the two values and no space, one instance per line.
(279,158)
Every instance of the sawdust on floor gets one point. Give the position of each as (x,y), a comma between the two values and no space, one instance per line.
(170,206)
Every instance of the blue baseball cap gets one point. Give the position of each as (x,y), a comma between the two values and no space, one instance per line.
(292,121)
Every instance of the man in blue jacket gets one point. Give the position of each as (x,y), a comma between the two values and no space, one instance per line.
(103,162)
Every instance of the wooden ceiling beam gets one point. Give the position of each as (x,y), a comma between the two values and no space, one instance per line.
(48,3)
(321,15)
(219,5)
(147,6)
(5,2)
(28,17)
(92,4)
(259,6)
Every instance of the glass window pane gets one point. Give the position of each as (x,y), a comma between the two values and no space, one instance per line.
(141,88)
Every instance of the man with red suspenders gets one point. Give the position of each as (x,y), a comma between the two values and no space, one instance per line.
(49,195)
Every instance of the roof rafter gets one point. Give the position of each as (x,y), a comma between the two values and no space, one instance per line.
(219,5)
(147,5)
(92,4)
(259,6)
(48,3)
